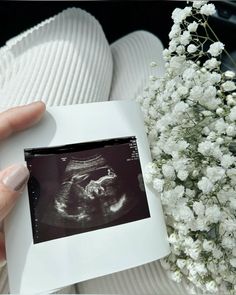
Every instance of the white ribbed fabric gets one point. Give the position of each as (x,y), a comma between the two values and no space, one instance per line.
(132,56)
(67,60)
(147,279)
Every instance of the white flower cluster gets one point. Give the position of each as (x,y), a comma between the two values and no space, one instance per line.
(190,116)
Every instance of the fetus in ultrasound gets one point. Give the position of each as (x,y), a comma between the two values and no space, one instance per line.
(91,192)
(82,187)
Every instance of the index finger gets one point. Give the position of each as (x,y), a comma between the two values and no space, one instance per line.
(19,118)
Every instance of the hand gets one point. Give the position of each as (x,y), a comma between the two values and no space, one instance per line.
(14,178)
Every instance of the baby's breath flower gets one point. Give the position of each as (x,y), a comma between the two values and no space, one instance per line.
(182,174)
(220,126)
(208,9)
(192,48)
(192,27)
(219,140)
(168,171)
(229,226)
(182,90)
(205,185)
(228,86)
(216,48)
(211,63)
(215,78)
(158,184)
(176,276)
(200,268)
(233,203)
(208,245)
(217,253)
(150,171)
(190,116)
(232,115)
(199,208)
(213,214)
(175,31)
(166,54)
(211,287)
(198,3)
(206,148)
(180,49)
(228,242)
(179,15)
(185,38)
(227,161)
(229,74)
(234,252)
(215,173)
(181,263)
(184,213)
(230,100)
(233,262)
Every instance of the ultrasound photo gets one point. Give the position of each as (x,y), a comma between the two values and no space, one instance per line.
(83,187)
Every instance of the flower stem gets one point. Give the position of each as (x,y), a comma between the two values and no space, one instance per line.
(214,34)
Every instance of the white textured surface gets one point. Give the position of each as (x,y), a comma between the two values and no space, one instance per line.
(67,60)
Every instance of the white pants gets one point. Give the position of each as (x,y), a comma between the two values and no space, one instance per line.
(67,60)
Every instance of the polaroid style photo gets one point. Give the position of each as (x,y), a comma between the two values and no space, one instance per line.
(86,211)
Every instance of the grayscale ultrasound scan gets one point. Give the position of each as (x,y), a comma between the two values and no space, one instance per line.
(83,187)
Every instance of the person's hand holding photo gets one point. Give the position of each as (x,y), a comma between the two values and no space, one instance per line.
(14,178)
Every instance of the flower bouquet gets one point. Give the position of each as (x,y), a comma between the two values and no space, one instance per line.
(190,116)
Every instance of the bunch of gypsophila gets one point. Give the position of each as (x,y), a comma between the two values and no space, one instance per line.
(190,116)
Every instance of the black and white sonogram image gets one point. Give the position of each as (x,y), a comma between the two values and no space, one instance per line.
(83,187)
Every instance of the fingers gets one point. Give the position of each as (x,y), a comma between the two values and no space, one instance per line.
(20,118)
(12,182)
(14,178)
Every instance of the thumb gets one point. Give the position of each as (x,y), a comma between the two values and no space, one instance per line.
(12,182)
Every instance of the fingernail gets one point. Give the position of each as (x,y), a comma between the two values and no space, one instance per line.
(16,178)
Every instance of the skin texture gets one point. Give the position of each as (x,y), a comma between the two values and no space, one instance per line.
(11,121)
